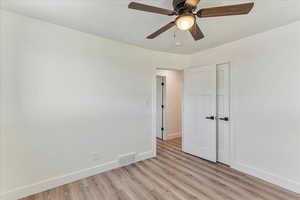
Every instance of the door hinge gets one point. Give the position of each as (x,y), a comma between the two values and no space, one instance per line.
(162,128)
(162,84)
(162,106)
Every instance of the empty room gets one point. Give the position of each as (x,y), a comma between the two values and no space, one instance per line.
(149,100)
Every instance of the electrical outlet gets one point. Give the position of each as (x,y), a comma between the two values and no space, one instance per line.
(95,157)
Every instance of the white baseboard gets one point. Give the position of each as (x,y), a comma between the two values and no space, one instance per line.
(145,156)
(67,178)
(269,177)
(170,136)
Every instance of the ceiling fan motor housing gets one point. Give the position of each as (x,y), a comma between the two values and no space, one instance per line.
(179,6)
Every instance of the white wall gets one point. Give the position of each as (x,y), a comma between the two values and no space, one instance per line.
(174,80)
(265,102)
(1,138)
(68,94)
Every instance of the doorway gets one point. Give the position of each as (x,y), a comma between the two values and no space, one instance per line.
(206,127)
(168,103)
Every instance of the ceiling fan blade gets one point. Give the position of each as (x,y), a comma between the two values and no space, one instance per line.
(240,9)
(147,8)
(192,3)
(196,32)
(161,30)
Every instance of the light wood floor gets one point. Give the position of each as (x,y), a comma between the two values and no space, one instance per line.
(173,175)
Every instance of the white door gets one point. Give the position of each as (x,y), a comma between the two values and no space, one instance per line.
(160,84)
(199,109)
(223,125)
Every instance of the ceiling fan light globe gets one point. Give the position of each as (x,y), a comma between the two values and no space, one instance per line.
(185,22)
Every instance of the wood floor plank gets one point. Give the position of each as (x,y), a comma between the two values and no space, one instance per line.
(227,172)
(155,188)
(215,175)
(172,175)
(202,179)
(187,181)
(177,181)
(141,191)
(215,178)
(178,191)
(250,182)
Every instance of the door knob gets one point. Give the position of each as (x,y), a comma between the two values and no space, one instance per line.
(224,119)
(210,117)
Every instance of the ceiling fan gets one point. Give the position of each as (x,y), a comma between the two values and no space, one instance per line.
(185,10)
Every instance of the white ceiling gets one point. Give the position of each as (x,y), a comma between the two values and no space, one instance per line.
(112,19)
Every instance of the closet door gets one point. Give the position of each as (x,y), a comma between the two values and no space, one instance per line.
(223,107)
(199,111)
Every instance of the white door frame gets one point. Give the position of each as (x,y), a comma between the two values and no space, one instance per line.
(154,103)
